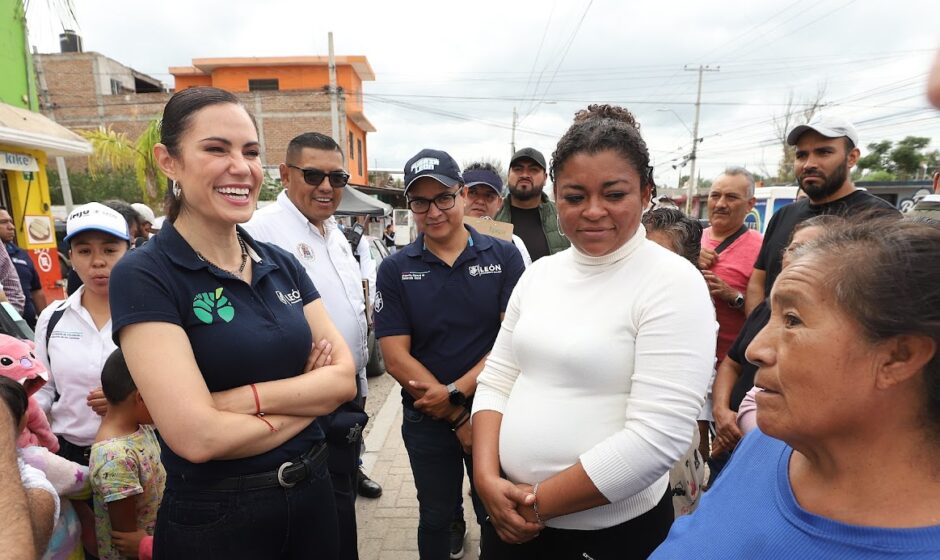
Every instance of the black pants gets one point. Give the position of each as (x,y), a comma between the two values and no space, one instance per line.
(344,492)
(636,538)
(296,523)
(72,452)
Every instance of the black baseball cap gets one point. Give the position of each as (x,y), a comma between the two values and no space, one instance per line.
(435,164)
(486,177)
(530,153)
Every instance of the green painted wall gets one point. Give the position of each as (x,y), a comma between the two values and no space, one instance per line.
(17,79)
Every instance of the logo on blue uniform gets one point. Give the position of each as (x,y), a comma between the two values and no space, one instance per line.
(379,304)
(480,270)
(289,298)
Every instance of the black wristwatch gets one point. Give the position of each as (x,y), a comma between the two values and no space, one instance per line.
(737,302)
(456,397)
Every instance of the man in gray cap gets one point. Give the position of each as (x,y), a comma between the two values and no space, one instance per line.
(531,213)
(826,151)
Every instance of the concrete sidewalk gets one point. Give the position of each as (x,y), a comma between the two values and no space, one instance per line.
(388,526)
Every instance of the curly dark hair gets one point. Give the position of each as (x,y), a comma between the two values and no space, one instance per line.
(604,127)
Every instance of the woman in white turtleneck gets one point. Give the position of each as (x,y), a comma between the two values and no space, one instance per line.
(593,386)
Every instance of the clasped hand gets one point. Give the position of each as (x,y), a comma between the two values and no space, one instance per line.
(434,400)
(510,509)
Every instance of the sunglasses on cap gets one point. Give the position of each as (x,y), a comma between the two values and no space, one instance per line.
(314,177)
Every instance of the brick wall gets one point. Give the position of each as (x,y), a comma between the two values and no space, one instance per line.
(76,104)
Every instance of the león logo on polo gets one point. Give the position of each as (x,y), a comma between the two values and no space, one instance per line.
(480,270)
(209,305)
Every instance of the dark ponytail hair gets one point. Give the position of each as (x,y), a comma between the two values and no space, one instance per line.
(604,127)
(14,397)
(177,115)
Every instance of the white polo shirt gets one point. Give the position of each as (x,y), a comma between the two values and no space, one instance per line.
(78,351)
(329,262)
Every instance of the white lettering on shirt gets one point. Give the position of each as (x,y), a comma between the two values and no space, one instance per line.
(418,275)
(289,298)
(480,270)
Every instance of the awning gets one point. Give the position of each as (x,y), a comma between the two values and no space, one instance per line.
(20,127)
(355,203)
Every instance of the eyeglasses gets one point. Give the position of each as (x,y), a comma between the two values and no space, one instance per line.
(314,177)
(444,201)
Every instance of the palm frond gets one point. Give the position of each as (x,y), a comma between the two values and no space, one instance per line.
(111,150)
(151,180)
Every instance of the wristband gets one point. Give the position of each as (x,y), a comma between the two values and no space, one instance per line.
(535,504)
(261,417)
(461,420)
(254,391)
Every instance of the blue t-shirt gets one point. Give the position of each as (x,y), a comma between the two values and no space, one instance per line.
(751,512)
(451,313)
(29,279)
(240,334)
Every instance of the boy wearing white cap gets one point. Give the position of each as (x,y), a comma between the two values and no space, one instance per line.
(73,336)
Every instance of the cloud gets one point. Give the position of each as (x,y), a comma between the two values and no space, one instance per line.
(534,56)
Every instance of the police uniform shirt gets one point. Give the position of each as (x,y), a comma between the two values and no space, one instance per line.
(240,333)
(452,314)
(29,279)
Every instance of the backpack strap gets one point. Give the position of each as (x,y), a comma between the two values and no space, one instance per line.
(50,327)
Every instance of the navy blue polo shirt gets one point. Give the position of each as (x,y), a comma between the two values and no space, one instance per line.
(451,313)
(240,334)
(29,279)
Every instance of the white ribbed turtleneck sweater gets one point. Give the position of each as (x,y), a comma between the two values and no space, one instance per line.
(606,361)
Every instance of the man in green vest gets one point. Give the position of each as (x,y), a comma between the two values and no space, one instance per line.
(531,213)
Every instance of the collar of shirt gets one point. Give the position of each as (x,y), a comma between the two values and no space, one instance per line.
(475,243)
(329,225)
(181,253)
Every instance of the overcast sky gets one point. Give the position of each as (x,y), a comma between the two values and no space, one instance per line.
(448,74)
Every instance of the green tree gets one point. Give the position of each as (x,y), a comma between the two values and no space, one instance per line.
(907,156)
(114,151)
(87,188)
(877,157)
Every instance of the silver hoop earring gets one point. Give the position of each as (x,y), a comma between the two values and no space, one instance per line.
(558,223)
(177,191)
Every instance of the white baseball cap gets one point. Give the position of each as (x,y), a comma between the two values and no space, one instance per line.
(828,126)
(144,211)
(95,216)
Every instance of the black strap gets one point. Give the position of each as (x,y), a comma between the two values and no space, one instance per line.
(729,240)
(50,326)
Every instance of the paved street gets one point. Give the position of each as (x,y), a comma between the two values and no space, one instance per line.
(388,526)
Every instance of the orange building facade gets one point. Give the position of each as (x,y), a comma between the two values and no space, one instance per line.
(298,86)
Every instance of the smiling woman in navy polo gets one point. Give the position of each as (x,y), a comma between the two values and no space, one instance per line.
(218,333)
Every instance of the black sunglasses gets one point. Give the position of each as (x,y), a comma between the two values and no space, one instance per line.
(314,177)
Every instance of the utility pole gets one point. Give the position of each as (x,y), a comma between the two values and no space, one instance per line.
(45,103)
(693,178)
(334,97)
(512,142)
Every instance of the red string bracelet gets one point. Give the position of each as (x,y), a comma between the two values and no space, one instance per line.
(261,417)
(254,390)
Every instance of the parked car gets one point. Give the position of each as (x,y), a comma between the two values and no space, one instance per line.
(13,324)
(376,364)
